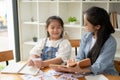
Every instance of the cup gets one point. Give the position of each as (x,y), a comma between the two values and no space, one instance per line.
(36,59)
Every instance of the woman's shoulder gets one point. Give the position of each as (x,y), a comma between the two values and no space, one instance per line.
(87,36)
(111,39)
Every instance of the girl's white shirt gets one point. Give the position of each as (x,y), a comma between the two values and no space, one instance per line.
(64,50)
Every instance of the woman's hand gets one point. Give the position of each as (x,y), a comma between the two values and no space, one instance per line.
(70,68)
(74,69)
(71,63)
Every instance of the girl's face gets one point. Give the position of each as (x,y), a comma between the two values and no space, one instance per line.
(55,30)
(88,25)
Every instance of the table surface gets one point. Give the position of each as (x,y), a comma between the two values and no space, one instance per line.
(18,76)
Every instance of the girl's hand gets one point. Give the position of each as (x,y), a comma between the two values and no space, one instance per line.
(38,63)
(71,63)
(30,62)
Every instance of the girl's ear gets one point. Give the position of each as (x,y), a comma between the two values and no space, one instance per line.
(98,27)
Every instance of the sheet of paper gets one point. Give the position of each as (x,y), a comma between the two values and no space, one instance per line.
(49,78)
(53,73)
(66,77)
(29,70)
(95,77)
(38,77)
(27,77)
(77,75)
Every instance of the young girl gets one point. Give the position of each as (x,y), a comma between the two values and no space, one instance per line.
(98,44)
(51,50)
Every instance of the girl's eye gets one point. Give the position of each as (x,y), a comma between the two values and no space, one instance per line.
(59,27)
(52,27)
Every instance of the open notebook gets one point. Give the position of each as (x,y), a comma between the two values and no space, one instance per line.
(96,77)
(21,68)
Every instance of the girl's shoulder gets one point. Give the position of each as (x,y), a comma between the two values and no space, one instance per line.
(55,43)
(64,42)
(42,40)
(61,40)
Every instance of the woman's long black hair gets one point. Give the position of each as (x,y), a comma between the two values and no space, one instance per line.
(99,16)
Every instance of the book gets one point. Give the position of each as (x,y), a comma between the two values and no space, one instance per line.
(20,68)
(96,77)
(83,64)
(118,20)
(113,19)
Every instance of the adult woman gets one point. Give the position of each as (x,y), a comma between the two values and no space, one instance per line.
(98,44)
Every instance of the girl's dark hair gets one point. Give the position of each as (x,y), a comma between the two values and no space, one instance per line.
(99,16)
(52,18)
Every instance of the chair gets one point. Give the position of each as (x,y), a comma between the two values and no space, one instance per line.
(117,65)
(75,43)
(6,56)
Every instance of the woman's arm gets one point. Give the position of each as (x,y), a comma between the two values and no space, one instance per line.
(74,69)
(80,66)
(52,61)
(81,54)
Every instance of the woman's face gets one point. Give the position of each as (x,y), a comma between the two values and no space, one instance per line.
(55,30)
(88,25)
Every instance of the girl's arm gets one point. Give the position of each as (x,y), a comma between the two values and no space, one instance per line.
(52,61)
(64,51)
(42,64)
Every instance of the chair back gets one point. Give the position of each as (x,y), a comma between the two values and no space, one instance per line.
(75,43)
(6,56)
(117,65)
